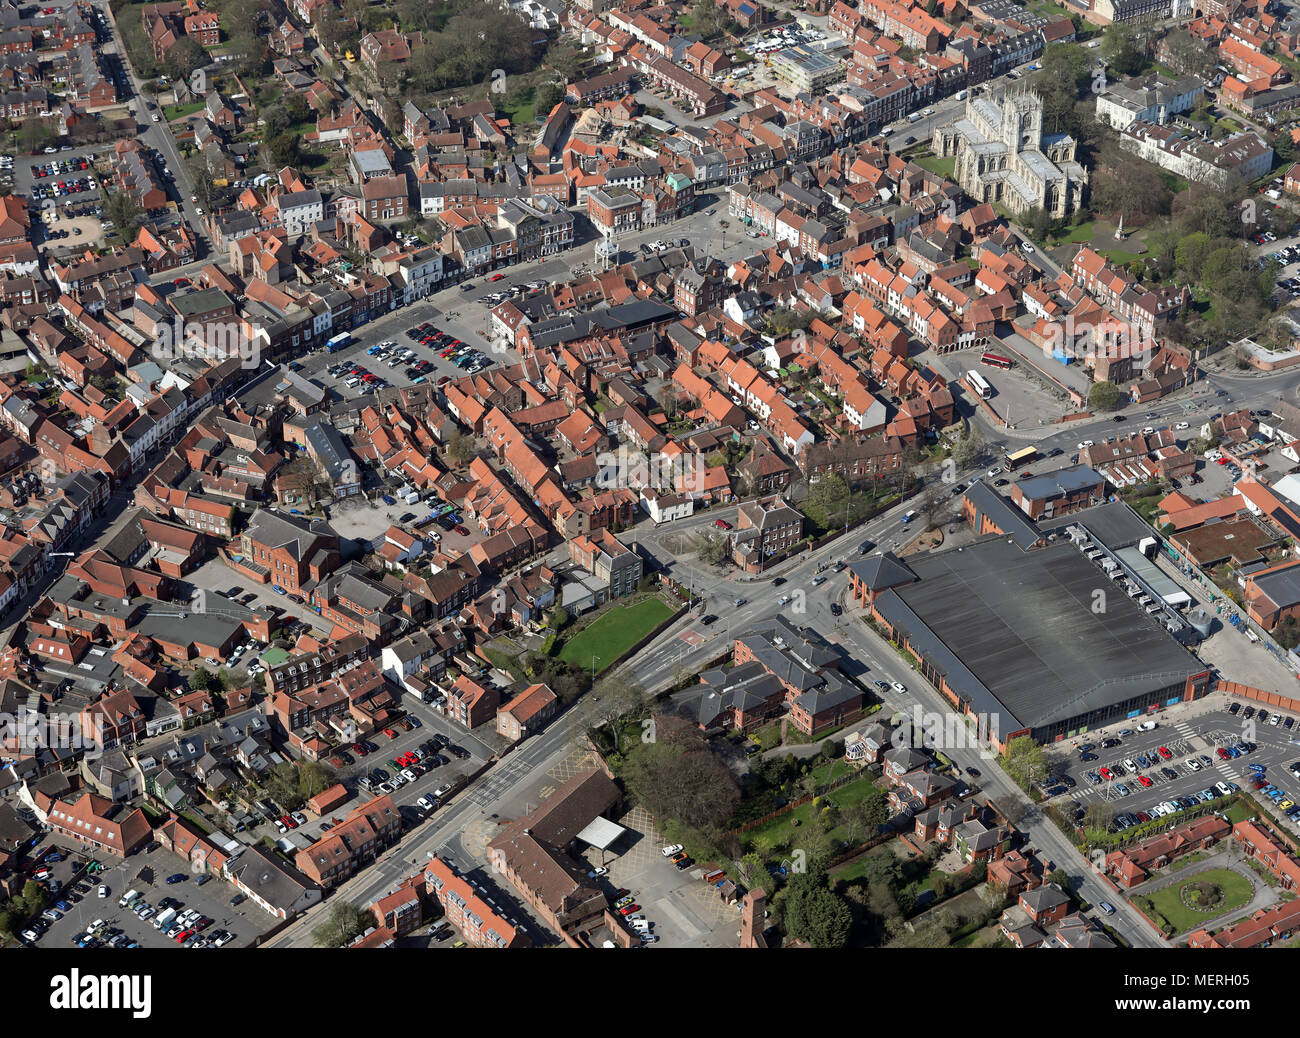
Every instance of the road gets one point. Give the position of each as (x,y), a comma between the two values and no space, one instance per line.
(158,136)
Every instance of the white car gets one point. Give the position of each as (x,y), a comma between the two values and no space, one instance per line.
(1193,763)
(994,471)
(598,871)
(281,827)
(156,118)
(299,817)
(899,686)
(671,849)
(408,774)
(397,781)
(103,890)
(424,804)
(1026,247)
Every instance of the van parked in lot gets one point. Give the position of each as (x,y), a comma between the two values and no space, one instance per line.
(128,897)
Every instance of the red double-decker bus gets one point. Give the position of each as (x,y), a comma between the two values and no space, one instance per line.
(996,360)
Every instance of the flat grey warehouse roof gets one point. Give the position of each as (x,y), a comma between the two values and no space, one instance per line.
(1022,623)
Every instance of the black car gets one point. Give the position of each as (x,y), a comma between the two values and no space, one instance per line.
(1169,773)
(1087,758)
(1002,482)
(1106,744)
(865,547)
(1248,713)
(685,864)
(778,581)
(1055,452)
(1234,708)
(1086,747)
(835,609)
(457,752)
(1120,418)
(708,619)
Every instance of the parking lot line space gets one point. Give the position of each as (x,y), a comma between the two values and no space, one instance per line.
(679,917)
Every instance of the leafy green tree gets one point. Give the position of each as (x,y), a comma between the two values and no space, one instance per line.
(283,150)
(815,914)
(123,212)
(1025,761)
(35,897)
(752,869)
(713,548)
(1119,47)
(1284,146)
(200,680)
(344,923)
(546,96)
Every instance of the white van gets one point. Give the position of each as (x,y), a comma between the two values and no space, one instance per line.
(128,897)
(1148,726)
(1251,634)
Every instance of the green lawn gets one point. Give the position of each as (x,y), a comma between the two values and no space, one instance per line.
(779,833)
(609,636)
(856,869)
(944,167)
(1239,812)
(174,112)
(1236,892)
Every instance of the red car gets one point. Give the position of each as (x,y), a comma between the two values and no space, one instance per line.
(184,936)
(496,277)
(1164,752)
(289,823)
(1146,782)
(390,733)
(360,750)
(444,380)
(181,282)
(1105,773)
(462,531)
(629,909)
(722,524)
(1221,461)
(1223,754)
